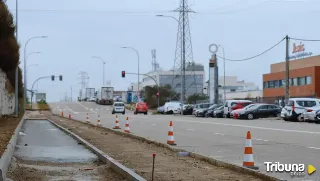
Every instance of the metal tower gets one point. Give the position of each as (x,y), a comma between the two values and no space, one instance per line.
(155,64)
(184,66)
(84,79)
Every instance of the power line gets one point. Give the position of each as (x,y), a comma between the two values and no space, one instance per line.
(255,55)
(300,39)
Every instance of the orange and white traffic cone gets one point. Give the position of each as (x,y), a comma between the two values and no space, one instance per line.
(127,128)
(62,115)
(170,135)
(117,126)
(99,124)
(88,121)
(248,153)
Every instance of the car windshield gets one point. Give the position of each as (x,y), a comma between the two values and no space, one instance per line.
(249,106)
(119,104)
(254,106)
(204,105)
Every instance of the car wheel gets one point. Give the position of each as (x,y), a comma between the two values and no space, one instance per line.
(250,116)
(285,119)
(134,112)
(206,115)
(146,113)
(112,112)
(278,115)
(224,116)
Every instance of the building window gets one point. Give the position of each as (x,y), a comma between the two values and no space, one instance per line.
(301,80)
(265,84)
(271,85)
(281,83)
(291,82)
(276,83)
(295,81)
(308,80)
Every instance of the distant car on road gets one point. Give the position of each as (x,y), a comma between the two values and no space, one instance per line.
(93,99)
(260,111)
(141,107)
(172,108)
(118,107)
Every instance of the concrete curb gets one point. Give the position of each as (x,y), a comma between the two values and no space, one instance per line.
(114,165)
(194,155)
(5,159)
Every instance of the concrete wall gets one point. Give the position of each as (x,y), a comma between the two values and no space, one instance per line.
(7,100)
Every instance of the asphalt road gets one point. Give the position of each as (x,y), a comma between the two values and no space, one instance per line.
(220,138)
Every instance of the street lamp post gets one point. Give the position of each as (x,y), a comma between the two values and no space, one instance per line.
(182,62)
(103,68)
(224,73)
(138,69)
(25,69)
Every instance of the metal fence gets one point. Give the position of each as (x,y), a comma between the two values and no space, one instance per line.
(279,100)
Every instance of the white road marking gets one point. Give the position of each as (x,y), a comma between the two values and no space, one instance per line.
(247,126)
(72,110)
(86,108)
(190,129)
(153,124)
(219,134)
(314,148)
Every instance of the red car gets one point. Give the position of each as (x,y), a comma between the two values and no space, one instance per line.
(240,105)
(141,107)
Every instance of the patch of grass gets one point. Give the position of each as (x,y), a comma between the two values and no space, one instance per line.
(43,106)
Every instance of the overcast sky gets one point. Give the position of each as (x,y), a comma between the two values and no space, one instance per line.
(79,29)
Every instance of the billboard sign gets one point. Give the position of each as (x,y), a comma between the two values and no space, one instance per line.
(40,97)
(298,51)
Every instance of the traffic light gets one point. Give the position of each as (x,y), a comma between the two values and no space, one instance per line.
(123,73)
(60,77)
(52,77)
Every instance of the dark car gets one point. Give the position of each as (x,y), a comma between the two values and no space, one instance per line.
(260,111)
(210,111)
(188,110)
(202,111)
(200,106)
(218,112)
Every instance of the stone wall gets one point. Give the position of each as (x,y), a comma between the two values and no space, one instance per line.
(7,98)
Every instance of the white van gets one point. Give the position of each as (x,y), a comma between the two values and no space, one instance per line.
(118,107)
(228,106)
(172,108)
(298,108)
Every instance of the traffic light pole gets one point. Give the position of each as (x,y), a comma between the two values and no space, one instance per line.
(45,77)
(158,96)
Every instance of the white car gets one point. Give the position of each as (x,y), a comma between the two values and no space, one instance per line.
(172,108)
(93,99)
(118,107)
(298,108)
(310,114)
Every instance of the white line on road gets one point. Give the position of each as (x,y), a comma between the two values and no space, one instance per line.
(191,130)
(87,108)
(72,110)
(314,148)
(219,134)
(153,124)
(254,127)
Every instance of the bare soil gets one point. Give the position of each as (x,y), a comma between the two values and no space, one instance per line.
(137,155)
(40,171)
(7,128)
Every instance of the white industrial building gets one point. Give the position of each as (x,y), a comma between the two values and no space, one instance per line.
(195,80)
(235,88)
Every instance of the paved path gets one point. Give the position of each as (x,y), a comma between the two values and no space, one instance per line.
(273,140)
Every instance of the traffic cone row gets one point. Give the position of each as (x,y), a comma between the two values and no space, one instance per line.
(99,123)
(127,128)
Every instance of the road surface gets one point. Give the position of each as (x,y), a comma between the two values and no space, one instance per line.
(220,138)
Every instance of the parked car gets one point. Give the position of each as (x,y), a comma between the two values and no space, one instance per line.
(161,109)
(188,110)
(200,106)
(310,114)
(239,110)
(218,113)
(229,105)
(118,107)
(296,107)
(141,107)
(260,111)
(209,113)
(202,112)
(172,108)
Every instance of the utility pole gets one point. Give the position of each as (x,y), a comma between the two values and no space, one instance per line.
(287,71)
(183,61)
(17,69)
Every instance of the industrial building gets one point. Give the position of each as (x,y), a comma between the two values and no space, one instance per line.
(304,79)
(235,89)
(195,80)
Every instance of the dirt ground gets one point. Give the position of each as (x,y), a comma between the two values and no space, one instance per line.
(7,128)
(40,171)
(137,155)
